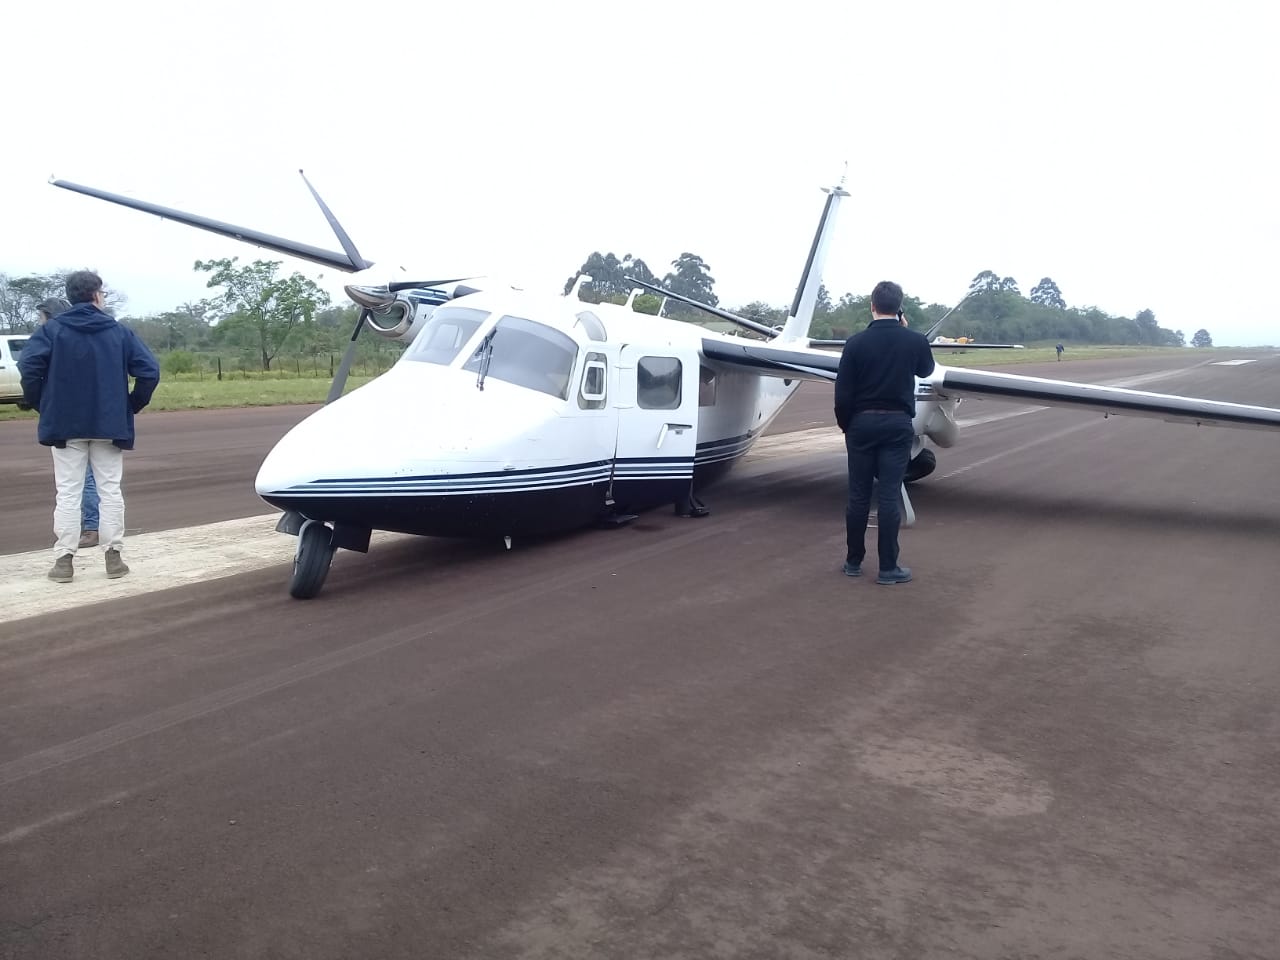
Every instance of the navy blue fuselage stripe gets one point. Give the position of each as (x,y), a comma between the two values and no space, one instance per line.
(484,475)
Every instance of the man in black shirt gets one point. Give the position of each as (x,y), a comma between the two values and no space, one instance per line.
(875,401)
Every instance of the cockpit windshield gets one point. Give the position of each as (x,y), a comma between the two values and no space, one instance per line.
(445,333)
(527,354)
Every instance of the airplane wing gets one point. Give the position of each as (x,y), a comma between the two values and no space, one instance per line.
(791,362)
(794,362)
(948,382)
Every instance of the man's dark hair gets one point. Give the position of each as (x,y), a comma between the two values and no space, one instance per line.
(886,298)
(82,285)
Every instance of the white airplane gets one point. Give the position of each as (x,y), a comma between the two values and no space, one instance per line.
(518,414)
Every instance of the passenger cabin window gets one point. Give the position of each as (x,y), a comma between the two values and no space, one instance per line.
(658,383)
(591,395)
(592,325)
(445,334)
(706,387)
(529,355)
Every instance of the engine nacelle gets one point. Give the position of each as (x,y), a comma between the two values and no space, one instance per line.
(937,423)
(399,316)
(399,320)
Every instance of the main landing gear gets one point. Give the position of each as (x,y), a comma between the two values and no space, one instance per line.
(690,506)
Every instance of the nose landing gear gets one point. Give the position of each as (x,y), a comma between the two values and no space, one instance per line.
(311,560)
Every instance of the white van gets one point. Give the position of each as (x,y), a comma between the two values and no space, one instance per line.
(11,345)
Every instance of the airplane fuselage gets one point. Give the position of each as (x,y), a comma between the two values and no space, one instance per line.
(512,415)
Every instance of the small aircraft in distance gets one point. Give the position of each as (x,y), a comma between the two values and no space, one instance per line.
(512,413)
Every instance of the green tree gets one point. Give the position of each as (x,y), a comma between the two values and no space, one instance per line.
(691,276)
(609,277)
(822,304)
(1201,338)
(263,308)
(984,281)
(649,303)
(19,296)
(1046,293)
(1148,329)
(178,361)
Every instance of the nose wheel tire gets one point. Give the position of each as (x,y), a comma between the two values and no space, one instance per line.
(312,560)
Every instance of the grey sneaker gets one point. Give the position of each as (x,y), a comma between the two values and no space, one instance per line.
(88,538)
(115,566)
(62,570)
(896,575)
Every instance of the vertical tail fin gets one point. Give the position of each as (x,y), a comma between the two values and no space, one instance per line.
(797,325)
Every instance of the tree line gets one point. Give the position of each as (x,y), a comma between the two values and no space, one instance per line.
(259,316)
(255,318)
(993,310)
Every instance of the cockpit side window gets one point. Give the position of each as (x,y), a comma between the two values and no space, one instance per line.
(591,394)
(527,354)
(445,334)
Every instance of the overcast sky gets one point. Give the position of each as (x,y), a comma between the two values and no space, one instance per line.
(1127,150)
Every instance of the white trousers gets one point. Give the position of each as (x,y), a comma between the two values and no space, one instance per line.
(69,462)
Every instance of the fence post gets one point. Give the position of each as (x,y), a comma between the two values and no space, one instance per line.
(219,368)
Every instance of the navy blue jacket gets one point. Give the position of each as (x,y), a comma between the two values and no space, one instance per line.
(878,368)
(75,370)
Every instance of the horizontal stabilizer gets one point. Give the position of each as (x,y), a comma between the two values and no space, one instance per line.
(935,346)
(977,346)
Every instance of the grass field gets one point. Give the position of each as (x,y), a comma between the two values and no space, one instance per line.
(186,392)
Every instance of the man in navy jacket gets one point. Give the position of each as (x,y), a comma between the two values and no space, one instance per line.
(75,372)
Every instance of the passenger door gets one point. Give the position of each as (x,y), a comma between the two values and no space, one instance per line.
(657,404)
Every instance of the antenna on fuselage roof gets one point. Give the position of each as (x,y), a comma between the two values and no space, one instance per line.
(631,297)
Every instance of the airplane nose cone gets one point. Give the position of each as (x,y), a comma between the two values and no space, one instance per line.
(411,423)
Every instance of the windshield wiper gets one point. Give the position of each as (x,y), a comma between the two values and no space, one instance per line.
(485,352)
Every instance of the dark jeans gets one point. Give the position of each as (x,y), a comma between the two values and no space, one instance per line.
(89,505)
(879,446)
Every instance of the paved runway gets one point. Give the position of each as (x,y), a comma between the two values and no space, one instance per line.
(683,738)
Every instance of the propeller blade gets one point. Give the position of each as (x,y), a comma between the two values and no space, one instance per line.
(415,284)
(304,251)
(340,378)
(348,247)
